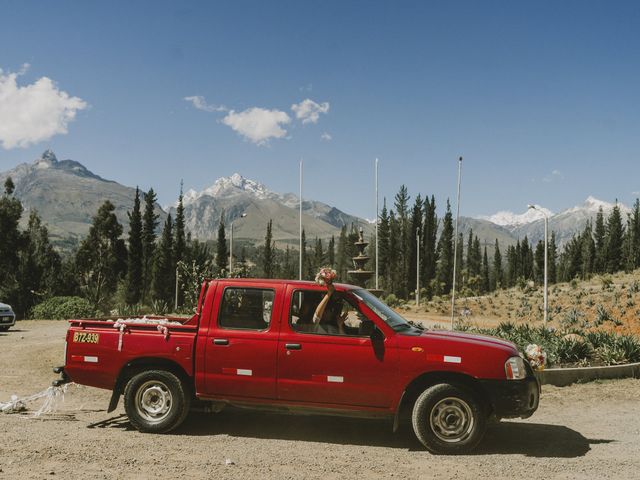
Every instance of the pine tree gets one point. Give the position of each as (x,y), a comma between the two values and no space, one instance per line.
(134,281)
(395,256)
(149,226)
(634,235)
(539,263)
(331,252)
(444,272)
(497,279)
(222,254)
(383,240)
(268,266)
(600,241)
(614,240)
(342,262)
(180,242)
(552,257)
(163,283)
(429,243)
(415,229)
(486,275)
(512,271)
(588,252)
(305,257)
(402,210)
(318,255)
(102,257)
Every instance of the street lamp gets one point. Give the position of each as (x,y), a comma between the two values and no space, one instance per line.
(231,247)
(455,246)
(546,243)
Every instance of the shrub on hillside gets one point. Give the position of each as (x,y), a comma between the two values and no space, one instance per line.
(63,308)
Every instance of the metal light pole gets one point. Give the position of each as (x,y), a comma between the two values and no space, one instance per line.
(300,238)
(418,268)
(455,246)
(231,247)
(377,221)
(546,260)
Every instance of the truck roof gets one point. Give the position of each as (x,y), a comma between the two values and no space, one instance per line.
(279,281)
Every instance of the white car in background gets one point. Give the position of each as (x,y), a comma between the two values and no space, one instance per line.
(7,317)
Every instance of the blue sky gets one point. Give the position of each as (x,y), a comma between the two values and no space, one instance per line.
(541,98)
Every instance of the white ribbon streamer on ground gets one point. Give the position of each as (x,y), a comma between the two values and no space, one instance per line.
(53,397)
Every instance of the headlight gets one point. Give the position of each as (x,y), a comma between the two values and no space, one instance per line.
(514,368)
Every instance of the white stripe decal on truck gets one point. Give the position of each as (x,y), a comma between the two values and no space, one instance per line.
(452,359)
(244,372)
(335,379)
(91,359)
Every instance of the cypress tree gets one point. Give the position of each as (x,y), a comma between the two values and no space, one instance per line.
(444,272)
(614,241)
(634,234)
(539,263)
(429,242)
(149,226)
(268,267)
(383,240)
(395,256)
(222,254)
(164,266)
(486,276)
(588,252)
(341,268)
(305,257)
(552,253)
(180,243)
(415,229)
(134,281)
(600,241)
(331,252)
(402,211)
(497,280)
(318,255)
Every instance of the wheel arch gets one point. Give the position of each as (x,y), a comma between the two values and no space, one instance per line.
(132,368)
(419,384)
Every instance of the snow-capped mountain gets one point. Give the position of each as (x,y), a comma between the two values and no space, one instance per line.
(232,196)
(506,218)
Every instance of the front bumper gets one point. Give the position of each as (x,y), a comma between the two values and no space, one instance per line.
(513,398)
(7,319)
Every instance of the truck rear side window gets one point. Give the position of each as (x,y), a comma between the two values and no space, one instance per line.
(246,308)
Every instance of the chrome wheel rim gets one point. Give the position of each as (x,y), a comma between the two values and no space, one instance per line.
(451,420)
(153,401)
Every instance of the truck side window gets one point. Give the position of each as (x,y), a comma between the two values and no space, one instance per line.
(304,304)
(246,308)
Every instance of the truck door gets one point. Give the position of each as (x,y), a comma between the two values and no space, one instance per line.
(325,366)
(241,343)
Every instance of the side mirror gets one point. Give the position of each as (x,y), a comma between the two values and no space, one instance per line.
(367,327)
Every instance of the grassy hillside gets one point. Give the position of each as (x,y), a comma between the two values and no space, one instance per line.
(609,302)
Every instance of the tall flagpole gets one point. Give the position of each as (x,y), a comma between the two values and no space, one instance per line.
(300,237)
(377,220)
(455,246)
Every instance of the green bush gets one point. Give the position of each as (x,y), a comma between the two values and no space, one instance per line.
(63,308)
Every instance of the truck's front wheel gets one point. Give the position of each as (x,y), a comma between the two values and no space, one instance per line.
(156,401)
(448,419)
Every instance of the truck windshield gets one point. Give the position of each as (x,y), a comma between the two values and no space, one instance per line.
(386,313)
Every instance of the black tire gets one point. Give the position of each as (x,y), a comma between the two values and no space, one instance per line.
(4,329)
(156,401)
(448,419)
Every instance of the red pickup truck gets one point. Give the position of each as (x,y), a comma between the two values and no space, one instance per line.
(252,343)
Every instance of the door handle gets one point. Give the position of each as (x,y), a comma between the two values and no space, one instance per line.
(220,341)
(293,346)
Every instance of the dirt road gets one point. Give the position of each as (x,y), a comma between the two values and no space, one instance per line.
(583,431)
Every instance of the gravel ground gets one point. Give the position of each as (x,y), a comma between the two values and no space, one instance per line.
(583,431)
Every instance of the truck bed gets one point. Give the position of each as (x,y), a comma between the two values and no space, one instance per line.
(97,350)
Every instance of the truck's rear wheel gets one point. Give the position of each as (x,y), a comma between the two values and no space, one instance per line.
(448,419)
(156,401)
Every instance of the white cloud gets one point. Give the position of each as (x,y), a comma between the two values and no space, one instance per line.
(200,103)
(554,176)
(309,111)
(326,136)
(33,113)
(258,125)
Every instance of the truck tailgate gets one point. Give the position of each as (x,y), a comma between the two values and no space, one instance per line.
(97,350)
